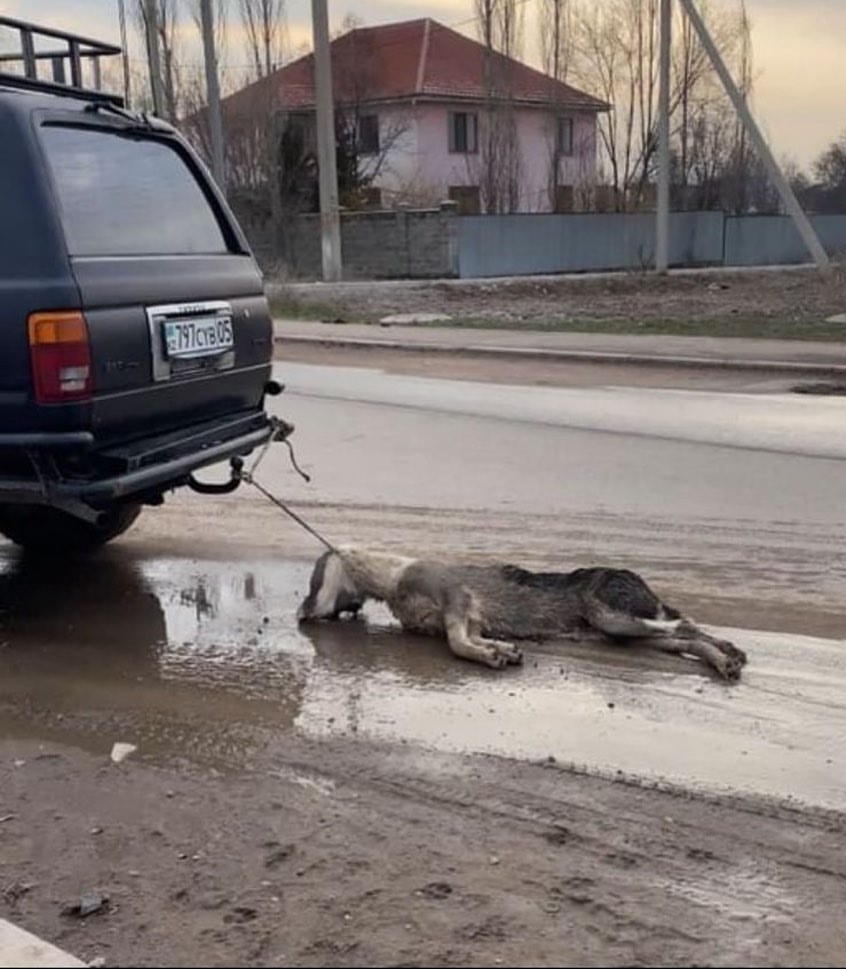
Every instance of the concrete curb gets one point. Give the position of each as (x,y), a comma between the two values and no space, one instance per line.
(580,356)
(19,948)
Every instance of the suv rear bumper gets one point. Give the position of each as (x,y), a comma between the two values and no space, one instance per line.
(144,468)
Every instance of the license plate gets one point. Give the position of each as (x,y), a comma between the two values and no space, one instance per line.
(184,339)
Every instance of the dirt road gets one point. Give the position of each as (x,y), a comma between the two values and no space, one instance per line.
(345,854)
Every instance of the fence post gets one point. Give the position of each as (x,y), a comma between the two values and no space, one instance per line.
(449,225)
(402,230)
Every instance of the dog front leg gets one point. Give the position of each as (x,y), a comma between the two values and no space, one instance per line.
(458,617)
(462,645)
(512,653)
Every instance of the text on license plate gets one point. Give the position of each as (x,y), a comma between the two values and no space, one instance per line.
(198,338)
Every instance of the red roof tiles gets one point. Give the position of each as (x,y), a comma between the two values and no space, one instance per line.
(413,59)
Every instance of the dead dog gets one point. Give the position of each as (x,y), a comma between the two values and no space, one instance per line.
(483,609)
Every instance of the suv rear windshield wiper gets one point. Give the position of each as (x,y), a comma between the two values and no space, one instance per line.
(135,118)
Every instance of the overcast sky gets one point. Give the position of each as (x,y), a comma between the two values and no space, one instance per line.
(800,49)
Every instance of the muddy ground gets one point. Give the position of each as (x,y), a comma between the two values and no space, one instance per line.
(341,854)
(775,299)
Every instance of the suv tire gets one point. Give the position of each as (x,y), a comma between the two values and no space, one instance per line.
(42,529)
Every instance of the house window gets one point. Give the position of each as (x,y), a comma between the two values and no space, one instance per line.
(565,135)
(368,134)
(467,197)
(463,133)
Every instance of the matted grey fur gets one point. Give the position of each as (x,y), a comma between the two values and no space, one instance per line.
(482,609)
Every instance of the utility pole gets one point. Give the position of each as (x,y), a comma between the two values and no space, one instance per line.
(151,22)
(212,94)
(791,203)
(330,220)
(662,227)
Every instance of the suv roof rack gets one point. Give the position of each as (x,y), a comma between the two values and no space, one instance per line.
(75,49)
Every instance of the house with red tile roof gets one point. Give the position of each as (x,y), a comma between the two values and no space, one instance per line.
(435,115)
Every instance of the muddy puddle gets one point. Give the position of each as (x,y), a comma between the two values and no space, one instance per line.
(203,662)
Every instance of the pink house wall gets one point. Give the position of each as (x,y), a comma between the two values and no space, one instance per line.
(419,168)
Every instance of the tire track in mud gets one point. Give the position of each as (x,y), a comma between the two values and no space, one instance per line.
(714,879)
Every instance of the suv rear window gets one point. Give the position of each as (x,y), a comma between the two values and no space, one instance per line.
(124,195)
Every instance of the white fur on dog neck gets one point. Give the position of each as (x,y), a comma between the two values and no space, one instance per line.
(374,574)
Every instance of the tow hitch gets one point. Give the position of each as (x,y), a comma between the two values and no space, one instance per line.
(280,431)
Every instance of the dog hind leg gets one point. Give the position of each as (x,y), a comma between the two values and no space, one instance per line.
(720,654)
(672,636)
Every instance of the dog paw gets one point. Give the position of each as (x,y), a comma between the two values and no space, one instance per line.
(735,652)
(495,659)
(512,654)
(734,659)
(731,664)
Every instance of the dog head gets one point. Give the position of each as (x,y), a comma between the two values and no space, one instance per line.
(331,591)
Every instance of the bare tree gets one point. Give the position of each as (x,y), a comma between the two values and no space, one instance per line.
(826,192)
(500,24)
(221,21)
(351,21)
(614,54)
(194,122)
(167,22)
(689,64)
(556,37)
(264,23)
(743,164)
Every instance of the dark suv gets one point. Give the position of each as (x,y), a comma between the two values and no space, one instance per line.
(135,338)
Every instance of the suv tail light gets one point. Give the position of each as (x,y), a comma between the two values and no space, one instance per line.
(60,355)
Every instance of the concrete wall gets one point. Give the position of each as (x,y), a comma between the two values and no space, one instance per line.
(416,243)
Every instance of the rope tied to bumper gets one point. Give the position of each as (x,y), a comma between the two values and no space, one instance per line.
(281,432)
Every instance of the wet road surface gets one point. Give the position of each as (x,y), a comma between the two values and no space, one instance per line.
(717,475)
(204,661)
(154,642)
